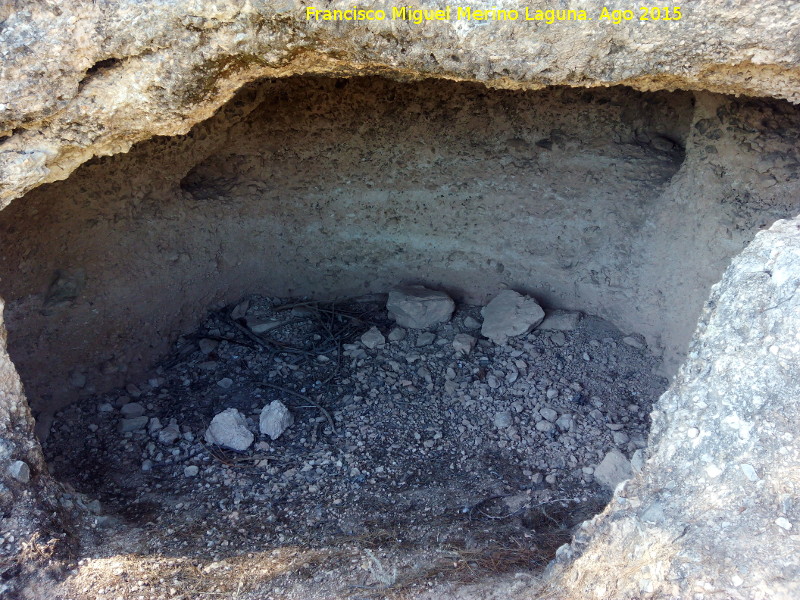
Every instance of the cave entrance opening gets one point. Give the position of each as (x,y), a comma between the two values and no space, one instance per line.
(135,288)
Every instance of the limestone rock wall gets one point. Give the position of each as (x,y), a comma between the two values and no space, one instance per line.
(715,512)
(81,79)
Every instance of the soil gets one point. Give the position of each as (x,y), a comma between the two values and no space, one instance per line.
(409,469)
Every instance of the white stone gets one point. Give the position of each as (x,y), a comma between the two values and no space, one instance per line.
(229,429)
(613,469)
(275,419)
(463,343)
(20,471)
(417,307)
(373,338)
(749,472)
(783,523)
(510,314)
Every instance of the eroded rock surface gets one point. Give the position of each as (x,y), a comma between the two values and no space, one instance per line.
(84,79)
(715,510)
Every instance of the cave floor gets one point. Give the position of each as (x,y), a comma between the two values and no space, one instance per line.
(410,470)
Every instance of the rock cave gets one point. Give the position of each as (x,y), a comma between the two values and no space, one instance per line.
(191,229)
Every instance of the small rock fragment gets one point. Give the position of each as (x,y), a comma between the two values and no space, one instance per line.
(425,339)
(132,410)
(463,343)
(633,342)
(613,469)
(510,314)
(191,471)
(560,320)
(275,419)
(564,422)
(135,424)
(558,338)
(749,472)
(502,420)
(549,414)
(783,523)
(544,426)
(229,429)
(225,383)
(373,338)
(471,323)
(170,434)
(20,471)
(417,307)
(397,334)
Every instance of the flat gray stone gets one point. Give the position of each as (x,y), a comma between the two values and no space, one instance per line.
(275,419)
(373,338)
(229,429)
(132,410)
(417,307)
(425,339)
(397,334)
(510,314)
(560,320)
(134,424)
(463,343)
(169,434)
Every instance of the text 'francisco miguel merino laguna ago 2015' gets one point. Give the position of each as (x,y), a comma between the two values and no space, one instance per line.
(466,13)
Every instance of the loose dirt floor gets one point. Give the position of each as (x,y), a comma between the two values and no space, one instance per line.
(410,471)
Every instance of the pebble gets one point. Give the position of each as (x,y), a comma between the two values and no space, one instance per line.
(169,434)
(749,472)
(783,523)
(470,323)
(135,424)
(373,338)
(225,383)
(425,339)
(191,471)
(463,343)
(564,422)
(398,334)
(502,420)
(132,410)
(147,465)
(549,414)
(544,426)
(558,338)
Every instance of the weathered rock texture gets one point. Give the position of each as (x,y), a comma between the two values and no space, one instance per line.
(704,517)
(634,203)
(81,79)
